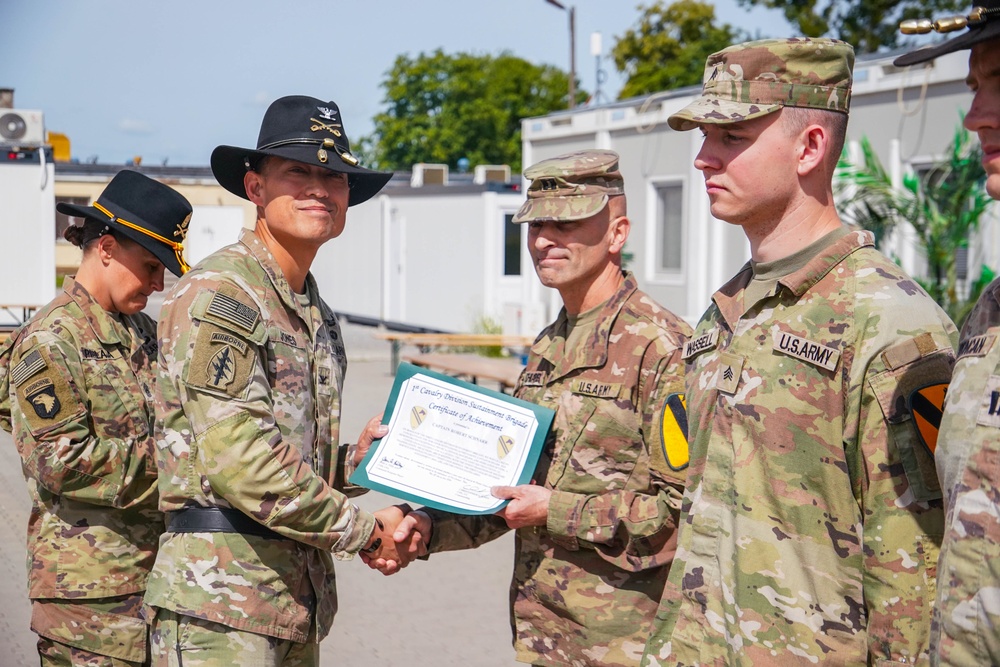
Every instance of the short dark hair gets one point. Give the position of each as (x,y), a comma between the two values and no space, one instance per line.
(797,119)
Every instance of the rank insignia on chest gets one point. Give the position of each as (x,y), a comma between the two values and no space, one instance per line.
(729,371)
(977,346)
(989,411)
(42,396)
(926,405)
(674,432)
(703,342)
(534,378)
(806,350)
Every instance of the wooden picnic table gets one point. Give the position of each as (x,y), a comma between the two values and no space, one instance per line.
(426,341)
(474,367)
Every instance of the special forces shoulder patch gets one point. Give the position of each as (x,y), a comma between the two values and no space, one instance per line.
(221,361)
(674,432)
(927,405)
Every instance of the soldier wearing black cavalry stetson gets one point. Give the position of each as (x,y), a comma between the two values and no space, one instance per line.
(966,625)
(81,412)
(248,414)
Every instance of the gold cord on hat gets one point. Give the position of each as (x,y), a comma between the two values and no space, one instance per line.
(178,248)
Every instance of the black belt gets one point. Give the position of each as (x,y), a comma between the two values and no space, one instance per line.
(217,520)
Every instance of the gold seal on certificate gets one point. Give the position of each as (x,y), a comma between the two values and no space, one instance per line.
(450,441)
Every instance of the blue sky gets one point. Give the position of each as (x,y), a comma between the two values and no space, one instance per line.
(173,79)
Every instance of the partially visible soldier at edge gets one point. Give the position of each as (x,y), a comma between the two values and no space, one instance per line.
(812,515)
(81,376)
(966,626)
(248,414)
(596,528)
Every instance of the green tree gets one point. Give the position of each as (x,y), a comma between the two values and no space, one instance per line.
(668,46)
(943,205)
(869,25)
(441,107)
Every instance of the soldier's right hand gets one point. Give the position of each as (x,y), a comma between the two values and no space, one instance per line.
(409,535)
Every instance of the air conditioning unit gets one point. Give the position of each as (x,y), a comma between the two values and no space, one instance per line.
(20,127)
(491,173)
(428,174)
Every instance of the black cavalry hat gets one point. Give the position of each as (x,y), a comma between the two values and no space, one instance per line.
(303,129)
(150,213)
(983,24)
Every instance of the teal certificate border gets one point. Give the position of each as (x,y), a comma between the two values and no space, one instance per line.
(406,371)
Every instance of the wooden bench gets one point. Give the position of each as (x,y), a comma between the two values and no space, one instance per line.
(471,367)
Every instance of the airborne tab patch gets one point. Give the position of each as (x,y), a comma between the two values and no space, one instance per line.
(703,342)
(977,346)
(234,311)
(806,350)
(674,432)
(596,389)
(926,405)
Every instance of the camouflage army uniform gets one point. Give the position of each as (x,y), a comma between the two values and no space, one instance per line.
(812,516)
(586,587)
(248,417)
(966,628)
(80,386)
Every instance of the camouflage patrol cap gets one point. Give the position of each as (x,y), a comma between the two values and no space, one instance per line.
(573,186)
(757,78)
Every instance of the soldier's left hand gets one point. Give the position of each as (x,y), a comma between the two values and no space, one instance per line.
(373,430)
(529,504)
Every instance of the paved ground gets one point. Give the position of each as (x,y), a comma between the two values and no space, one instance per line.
(450,610)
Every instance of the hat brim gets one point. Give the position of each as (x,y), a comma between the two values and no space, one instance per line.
(163,253)
(565,209)
(991,30)
(228,166)
(713,110)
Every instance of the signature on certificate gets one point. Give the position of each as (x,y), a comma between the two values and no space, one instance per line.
(395,463)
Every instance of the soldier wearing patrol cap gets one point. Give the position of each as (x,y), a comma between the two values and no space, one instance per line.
(966,625)
(812,513)
(595,531)
(248,413)
(78,400)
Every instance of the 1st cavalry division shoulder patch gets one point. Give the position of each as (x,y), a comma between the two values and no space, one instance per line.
(674,432)
(926,405)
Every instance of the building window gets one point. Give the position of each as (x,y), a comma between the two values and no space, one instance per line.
(669,227)
(62,220)
(511,246)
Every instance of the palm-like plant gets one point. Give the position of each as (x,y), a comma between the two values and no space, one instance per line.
(943,205)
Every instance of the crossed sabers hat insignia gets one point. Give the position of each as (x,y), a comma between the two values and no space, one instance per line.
(320,125)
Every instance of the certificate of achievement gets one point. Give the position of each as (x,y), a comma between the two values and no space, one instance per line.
(449,441)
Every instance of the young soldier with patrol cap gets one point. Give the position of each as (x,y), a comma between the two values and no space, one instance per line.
(812,515)
(79,393)
(966,627)
(248,413)
(595,531)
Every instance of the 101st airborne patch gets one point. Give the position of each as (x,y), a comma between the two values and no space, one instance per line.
(927,405)
(674,432)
